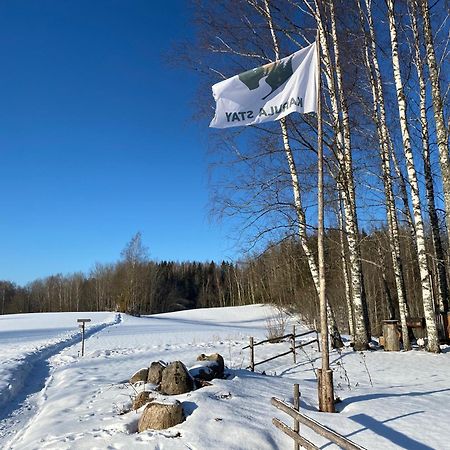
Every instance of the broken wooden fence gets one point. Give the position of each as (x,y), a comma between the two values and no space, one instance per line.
(300,418)
(293,347)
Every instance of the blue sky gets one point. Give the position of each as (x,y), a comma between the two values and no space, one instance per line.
(96,138)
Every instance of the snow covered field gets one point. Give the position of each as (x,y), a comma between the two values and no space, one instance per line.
(50,398)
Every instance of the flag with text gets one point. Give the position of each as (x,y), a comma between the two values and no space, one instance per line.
(269,92)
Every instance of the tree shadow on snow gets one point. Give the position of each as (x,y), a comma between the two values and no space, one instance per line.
(394,436)
(366,397)
(238,324)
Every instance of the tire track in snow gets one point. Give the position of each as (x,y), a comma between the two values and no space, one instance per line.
(30,376)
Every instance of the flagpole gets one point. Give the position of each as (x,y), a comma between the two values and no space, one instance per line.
(325,378)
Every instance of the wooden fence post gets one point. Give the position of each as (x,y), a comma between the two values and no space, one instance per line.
(252,355)
(293,345)
(82,323)
(297,408)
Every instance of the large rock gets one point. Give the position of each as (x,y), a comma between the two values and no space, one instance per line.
(140,375)
(141,399)
(212,367)
(176,379)
(159,416)
(155,372)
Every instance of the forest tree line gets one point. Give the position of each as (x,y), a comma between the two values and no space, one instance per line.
(279,276)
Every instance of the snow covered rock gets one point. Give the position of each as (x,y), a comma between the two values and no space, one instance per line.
(141,399)
(140,375)
(159,416)
(176,379)
(155,372)
(213,367)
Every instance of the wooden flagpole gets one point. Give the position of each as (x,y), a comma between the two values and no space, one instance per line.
(325,375)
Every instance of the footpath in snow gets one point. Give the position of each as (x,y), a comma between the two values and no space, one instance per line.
(389,400)
(28,341)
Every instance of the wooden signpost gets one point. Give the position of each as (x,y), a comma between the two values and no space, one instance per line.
(82,323)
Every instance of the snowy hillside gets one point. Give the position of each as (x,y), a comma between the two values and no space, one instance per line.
(50,398)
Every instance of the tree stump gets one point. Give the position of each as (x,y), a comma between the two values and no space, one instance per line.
(391,336)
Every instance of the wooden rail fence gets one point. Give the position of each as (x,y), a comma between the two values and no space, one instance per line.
(300,418)
(291,336)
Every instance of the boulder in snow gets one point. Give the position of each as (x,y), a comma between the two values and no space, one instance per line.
(159,416)
(212,367)
(155,372)
(140,375)
(176,379)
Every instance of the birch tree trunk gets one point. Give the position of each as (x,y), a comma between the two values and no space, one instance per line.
(379,115)
(346,185)
(441,130)
(433,342)
(345,274)
(403,192)
(301,218)
(434,221)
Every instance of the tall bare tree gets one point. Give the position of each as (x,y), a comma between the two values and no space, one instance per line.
(433,341)
(379,116)
(430,194)
(438,106)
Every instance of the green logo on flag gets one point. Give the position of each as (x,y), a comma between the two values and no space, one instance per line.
(277,74)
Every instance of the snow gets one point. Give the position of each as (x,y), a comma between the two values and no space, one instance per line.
(51,398)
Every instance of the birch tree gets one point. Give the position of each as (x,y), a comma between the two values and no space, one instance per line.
(346,181)
(430,195)
(345,274)
(441,130)
(337,342)
(433,342)
(379,116)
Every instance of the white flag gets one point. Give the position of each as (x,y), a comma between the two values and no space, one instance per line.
(269,92)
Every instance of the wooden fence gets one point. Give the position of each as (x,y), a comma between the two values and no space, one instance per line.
(299,418)
(293,346)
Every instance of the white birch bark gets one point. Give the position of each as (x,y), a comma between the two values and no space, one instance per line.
(404,197)
(434,221)
(379,115)
(433,342)
(301,218)
(441,130)
(362,332)
(345,274)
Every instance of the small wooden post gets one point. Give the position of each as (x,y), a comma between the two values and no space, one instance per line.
(391,336)
(297,408)
(252,355)
(293,345)
(82,323)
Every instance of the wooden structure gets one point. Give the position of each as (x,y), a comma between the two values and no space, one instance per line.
(417,326)
(299,418)
(293,347)
(82,323)
(391,336)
